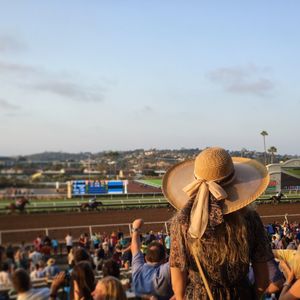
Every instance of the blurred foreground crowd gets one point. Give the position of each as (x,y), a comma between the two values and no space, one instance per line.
(114,266)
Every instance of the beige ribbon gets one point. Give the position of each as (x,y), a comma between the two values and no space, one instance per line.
(200,189)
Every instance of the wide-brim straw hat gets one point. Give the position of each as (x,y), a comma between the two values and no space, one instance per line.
(248,178)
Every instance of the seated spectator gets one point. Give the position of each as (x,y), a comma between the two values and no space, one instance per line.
(22,285)
(126,257)
(117,254)
(35,272)
(21,260)
(111,268)
(152,277)
(5,278)
(109,288)
(82,281)
(46,251)
(81,254)
(52,269)
(35,257)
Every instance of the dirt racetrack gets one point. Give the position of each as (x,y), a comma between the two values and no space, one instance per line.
(268,212)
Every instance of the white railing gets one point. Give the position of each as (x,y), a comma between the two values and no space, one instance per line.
(46,230)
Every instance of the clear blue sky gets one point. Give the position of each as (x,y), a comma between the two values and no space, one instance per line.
(99,75)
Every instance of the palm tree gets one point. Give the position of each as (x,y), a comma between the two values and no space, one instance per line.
(264,133)
(272,150)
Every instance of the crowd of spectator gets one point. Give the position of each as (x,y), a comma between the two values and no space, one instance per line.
(94,266)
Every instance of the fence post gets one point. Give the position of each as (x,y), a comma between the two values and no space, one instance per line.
(90,229)
(47,231)
(166,226)
(129,225)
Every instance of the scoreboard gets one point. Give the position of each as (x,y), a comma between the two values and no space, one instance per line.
(88,187)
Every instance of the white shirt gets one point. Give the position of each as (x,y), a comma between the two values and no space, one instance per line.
(35,294)
(69,240)
(5,278)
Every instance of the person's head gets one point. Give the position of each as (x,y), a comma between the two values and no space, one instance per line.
(156,253)
(111,268)
(81,254)
(4,267)
(50,261)
(83,280)
(21,281)
(109,288)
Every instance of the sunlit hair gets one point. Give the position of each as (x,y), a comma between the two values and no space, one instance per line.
(112,288)
(229,243)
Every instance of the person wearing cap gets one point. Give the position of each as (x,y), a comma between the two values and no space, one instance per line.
(214,235)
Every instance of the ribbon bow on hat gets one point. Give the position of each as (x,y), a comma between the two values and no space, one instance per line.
(200,189)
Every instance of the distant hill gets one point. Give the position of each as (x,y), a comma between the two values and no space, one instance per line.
(56,156)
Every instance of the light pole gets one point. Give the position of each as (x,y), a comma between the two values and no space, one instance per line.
(264,133)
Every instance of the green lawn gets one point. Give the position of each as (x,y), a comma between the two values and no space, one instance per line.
(153,182)
(293,171)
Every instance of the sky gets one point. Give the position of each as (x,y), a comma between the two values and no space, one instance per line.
(96,75)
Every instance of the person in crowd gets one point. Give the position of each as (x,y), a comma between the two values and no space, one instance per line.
(47,240)
(109,288)
(21,260)
(5,276)
(105,247)
(35,257)
(291,287)
(215,236)
(120,234)
(95,239)
(52,269)
(168,243)
(153,276)
(117,254)
(80,254)
(127,256)
(71,258)
(82,281)
(111,268)
(54,245)
(69,242)
(22,285)
(46,251)
(87,242)
(113,240)
(81,241)
(36,273)
(37,243)
(10,252)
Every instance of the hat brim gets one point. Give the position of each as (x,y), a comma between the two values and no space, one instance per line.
(250,181)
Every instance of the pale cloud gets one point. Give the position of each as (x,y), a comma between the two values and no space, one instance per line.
(249,79)
(39,79)
(18,69)
(71,90)
(10,44)
(147,109)
(8,106)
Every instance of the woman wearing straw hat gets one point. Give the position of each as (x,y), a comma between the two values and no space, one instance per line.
(215,236)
